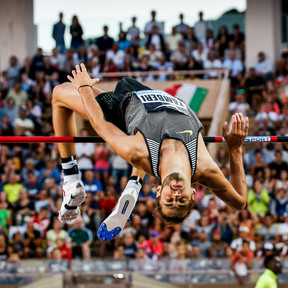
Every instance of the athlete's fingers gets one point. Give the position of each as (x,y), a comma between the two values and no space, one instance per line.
(94,81)
(74,73)
(70,78)
(241,123)
(83,67)
(234,124)
(78,69)
(225,129)
(246,125)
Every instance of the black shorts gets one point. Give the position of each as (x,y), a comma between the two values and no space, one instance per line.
(114,103)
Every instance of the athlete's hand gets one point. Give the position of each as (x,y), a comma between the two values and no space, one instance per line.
(81,77)
(236,138)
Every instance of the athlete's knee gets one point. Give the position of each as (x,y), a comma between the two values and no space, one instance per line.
(59,92)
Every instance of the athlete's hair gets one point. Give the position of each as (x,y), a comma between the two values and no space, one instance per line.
(173,219)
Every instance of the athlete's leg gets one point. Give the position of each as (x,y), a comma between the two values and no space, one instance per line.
(116,221)
(65,101)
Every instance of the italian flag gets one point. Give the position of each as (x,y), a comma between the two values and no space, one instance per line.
(190,93)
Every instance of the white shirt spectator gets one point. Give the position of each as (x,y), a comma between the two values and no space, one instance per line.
(199,57)
(118,57)
(235,66)
(271,117)
(236,244)
(24,123)
(200,29)
(215,64)
(85,163)
(173,40)
(263,67)
(283,231)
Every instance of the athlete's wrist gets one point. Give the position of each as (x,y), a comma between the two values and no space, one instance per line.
(83,87)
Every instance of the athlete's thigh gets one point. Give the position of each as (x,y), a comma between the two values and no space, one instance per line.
(65,95)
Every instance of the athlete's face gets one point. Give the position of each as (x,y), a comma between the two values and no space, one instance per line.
(175,194)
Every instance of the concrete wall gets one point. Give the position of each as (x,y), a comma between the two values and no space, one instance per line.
(17,31)
(263,29)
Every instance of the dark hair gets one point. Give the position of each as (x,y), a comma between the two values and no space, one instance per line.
(268,259)
(174,219)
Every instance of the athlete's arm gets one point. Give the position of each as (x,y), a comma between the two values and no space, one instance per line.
(125,146)
(233,193)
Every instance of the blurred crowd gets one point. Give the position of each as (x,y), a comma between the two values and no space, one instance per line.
(31,178)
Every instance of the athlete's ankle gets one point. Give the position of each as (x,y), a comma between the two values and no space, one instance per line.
(70,169)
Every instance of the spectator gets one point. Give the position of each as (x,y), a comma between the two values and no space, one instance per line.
(56,233)
(201,28)
(23,208)
(233,49)
(3,248)
(199,54)
(258,198)
(223,38)
(179,57)
(212,63)
(156,38)
(202,243)
(107,203)
(37,64)
(182,28)
(237,36)
(123,42)
(116,55)
(41,221)
(133,34)
(102,165)
(13,72)
(92,185)
(236,244)
(149,26)
(32,242)
(32,185)
(104,43)
(239,105)
(5,211)
(65,251)
(154,245)
(147,192)
(258,169)
(217,248)
(22,121)
(279,203)
(13,188)
(19,96)
(173,39)
(278,165)
(241,261)
(235,68)
(76,34)
(129,244)
(263,67)
(81,239)
(268,231)
(58,34)
(273,266)
(283,228)
(17,245)
(49,171)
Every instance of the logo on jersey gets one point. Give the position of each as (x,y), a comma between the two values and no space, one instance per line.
(186,131)
(155,100)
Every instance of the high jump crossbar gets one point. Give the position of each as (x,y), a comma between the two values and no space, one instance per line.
(52,139)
